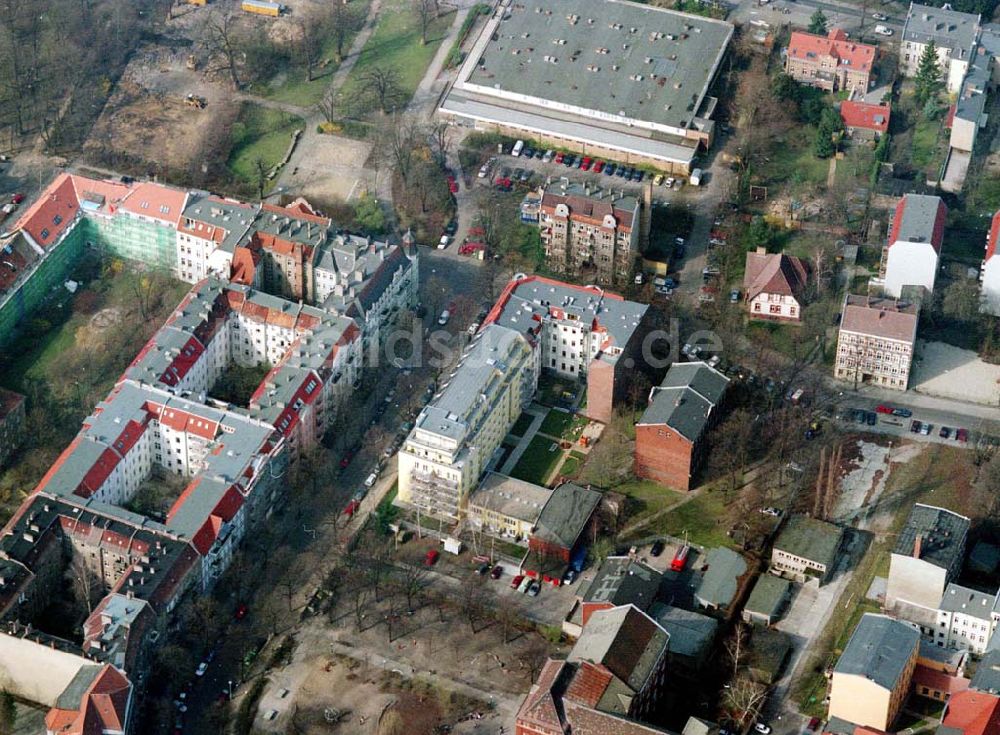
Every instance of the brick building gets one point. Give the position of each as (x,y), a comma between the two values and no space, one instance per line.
(589,231)
(774,286)
(670,436)
(611,680)
(831,62)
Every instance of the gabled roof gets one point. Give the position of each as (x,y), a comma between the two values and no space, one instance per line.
(865,115)
(852,55)
(686,398)
(919,218)
(775,273)
(103,706)
(974,713)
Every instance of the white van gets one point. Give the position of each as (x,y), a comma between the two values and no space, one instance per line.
(696,177)
(883,30)
(518,147)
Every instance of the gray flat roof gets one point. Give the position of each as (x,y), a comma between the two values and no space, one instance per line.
(565,516)
(622,581)
(880,649)
(612,56)
(810,538)
(920,212)
(721,580)
(691,633)
(511,497)
(534,120)
(768,595)
(947,28)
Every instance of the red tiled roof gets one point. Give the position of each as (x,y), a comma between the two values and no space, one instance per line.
(589,684)
(865,116)
(775,273)
(974,713)
(991,241)
(59,200)
(244,266)
(103,707)
(155,201)
(300,209)
(849,54)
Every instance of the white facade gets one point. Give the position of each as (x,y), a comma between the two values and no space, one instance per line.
(775,306)
(568,347)
(989,273)
(910,264)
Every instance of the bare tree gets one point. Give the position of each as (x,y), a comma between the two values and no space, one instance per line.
(399,139)
(260,172)
(382,83)
(345,20)
(440,145)
(223,44)
(412,580)
(329,108)
(86,585)
(426,11)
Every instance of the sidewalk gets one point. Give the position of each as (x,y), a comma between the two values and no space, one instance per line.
(522,445)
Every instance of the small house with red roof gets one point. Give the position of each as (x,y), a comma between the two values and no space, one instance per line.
(864,121)
(989,272)
(774,286)
(910,257)
(832,62)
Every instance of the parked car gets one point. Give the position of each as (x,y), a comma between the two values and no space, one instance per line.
(871,418)
(903,413)
(371,479)
(814,723)
(962,435)
(658,180)
(525,584)
(945,432)
(925,429)
(610,169)
(883,409)
(657,548)
(880,16)
(585,163)
(516,582)
(762,728)
(548,156)
(443,319)
(431,558)
(483,569)
(202,668)
(496,572)
(443,242)
(452,184)
(883,30)
(451,228)
(534,589)
(734,296)
(915,426)
(598,166)
(559,157)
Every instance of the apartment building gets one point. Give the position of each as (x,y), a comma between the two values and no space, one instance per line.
(11,422)
(774,286)
(954,35)
(832,62)
(966,619)
(928,555)
(578,332)
(875,342)
(670,436)
(871,679)
(587,231)
(456,434)
(807,548)
(911,255)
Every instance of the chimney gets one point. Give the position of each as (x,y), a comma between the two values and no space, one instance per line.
(761,250)
(917,542)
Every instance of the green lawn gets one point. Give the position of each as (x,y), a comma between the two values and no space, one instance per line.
(537,462)
(261,133)
(395,45)
(703,518)
(927,150)
(572,464)
(792,159)
(646,498)
(562,425)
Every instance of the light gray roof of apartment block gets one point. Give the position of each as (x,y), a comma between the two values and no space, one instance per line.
(511,497)
(628,139)
(566,514)
(615,57)
(288,226)
(532,301)
(685,399)
(810,538)
(72,695)
(691,633)
(879,649)
(919,214)
(622,581)
(235,218)
(588,199)
(625,640)
(959,599)
(721,580)
(942,535)
(484,362)
(947,28)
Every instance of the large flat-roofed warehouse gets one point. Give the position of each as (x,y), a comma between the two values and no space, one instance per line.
(606,78)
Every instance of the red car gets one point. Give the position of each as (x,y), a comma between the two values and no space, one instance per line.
(504,184)
(962,435)
(516,582)
(813,723)
(345,461)
(431,558)
(585,164)
(560,156)
(241,612)
(598,166)
(17,198)
(352,508)
(883,409)
(452,184)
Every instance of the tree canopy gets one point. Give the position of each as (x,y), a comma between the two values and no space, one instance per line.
(817,23)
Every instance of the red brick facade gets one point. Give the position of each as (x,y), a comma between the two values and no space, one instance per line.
(664,456)
(600,390)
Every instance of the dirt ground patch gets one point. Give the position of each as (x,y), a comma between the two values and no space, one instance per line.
(330,167)
(156,129)
(951,372)
(865,468)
